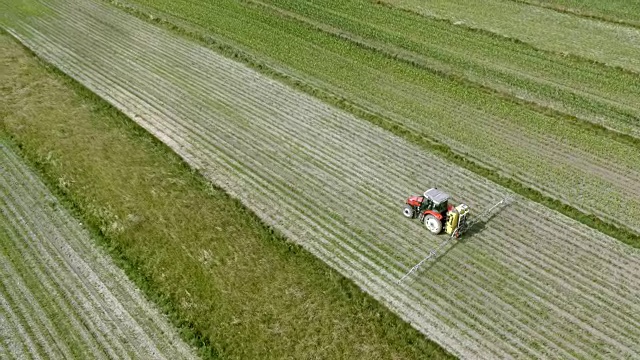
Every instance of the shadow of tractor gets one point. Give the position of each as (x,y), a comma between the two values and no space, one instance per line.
(480,225)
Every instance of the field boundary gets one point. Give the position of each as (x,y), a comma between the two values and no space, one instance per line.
(69,293)
(294,160)
(423,140)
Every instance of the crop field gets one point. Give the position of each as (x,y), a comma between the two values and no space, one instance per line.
(60,296)
(562,126)
(616,11)
(530,283)
(234,288)
(601,41)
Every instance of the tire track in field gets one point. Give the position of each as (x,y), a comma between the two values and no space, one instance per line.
(291,176)
(16,340)
(172,90)
(586,13)
(565,157)
(56,295)
(480,62)
(39,325)
(587,162)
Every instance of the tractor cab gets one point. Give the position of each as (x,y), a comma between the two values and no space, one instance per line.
(431,208)
(436,200)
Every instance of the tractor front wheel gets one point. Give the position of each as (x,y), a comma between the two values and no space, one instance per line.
(408,211)
(433,224)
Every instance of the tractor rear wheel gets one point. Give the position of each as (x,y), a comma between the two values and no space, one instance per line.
(433,224)
(408,211)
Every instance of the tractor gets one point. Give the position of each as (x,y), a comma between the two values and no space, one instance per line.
(434,210)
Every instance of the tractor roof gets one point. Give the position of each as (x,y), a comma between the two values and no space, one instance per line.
(436,195)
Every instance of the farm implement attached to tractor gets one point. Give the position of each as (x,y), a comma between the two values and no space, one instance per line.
(434,210)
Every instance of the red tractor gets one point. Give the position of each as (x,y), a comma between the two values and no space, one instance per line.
(434,210)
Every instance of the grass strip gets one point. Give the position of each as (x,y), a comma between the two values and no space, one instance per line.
(513,39)
(233,287)
(422,139)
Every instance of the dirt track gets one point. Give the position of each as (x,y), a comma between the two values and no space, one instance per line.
(60,296)
(529,284)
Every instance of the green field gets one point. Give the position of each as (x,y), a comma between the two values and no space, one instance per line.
(233,287)
(245,162)
(518,111)
(61,297)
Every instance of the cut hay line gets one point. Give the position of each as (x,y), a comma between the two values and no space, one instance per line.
(278,279)
(46,334)
(405,305)
(408,52)
(584,13)
(18,342)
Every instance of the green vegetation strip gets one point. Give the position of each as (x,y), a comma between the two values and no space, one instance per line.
(422,139)
(533,148)
(64,293)
(234,288)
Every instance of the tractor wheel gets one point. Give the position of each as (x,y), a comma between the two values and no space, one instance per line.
(408,211)
(433,224)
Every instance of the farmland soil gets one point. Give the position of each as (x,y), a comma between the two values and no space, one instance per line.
(527,283)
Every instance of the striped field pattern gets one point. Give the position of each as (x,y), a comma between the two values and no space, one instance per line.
(529,283)
(504,106)
(60,296)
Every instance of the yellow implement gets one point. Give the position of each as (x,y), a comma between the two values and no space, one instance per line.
(456,218)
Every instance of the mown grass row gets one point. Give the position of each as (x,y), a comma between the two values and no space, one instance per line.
(512,39)
(48,259)
(166,61)
(361,82)
(233,287)
(420,137)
